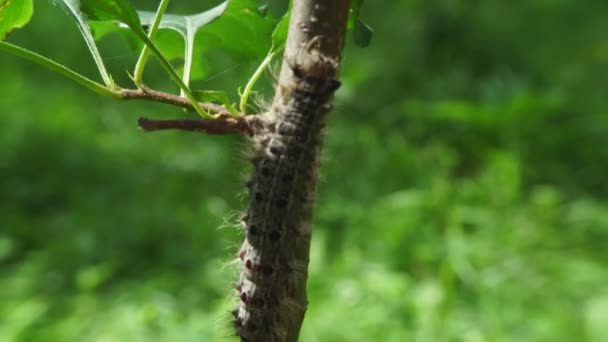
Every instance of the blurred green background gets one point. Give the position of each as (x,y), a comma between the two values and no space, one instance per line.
(463,193)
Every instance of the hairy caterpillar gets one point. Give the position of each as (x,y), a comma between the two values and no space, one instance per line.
(274,256)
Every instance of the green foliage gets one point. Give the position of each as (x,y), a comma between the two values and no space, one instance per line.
(462,194)
(72,7)
(59,68)
(187,26)
(14,14)
(216,96)
(109,10)
(235,27)
(362,33)
(279,35)
(238,18)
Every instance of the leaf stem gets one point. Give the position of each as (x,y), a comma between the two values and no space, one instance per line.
(61,69)
(107,79)
(189,50)
(81,22)
(173,74)
(145,52)
(254,78)
(175,100)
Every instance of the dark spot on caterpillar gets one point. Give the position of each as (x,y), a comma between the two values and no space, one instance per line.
(291,158)
(244,218)
(295,150)
(249,184)
(244,298)
(333,86)
(242,255)
(265,171)
(301,138)
(239,287)
(258,196)
(257,301)
(299,73)
(255,160)
(253,230)
(252,327)
(235,313)
(304,96)
(264,141)
(267,270)
(274,235)
(285,129)
(303,126)
(281,203)
(248,264)
(309,119)
(238,323)
(275,149)
(313,81)
(301,121)
(297,70)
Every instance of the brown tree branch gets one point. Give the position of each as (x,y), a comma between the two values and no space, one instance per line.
(227,125)
(179,101)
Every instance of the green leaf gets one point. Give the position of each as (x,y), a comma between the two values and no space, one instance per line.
(14,14)
(145,52)
(72,7)
(279,35)
(216,96)
(187,27)
(241,30)
(255,77)
(362,33)
(236,27)
(122,11)
(106,10)
(59,68)
(353,14)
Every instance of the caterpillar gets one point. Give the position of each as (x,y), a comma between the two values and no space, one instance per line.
(274,255)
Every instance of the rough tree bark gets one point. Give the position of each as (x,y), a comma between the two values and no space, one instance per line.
(287,140)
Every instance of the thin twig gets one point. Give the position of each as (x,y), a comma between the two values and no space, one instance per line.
(225,125)
(159,96)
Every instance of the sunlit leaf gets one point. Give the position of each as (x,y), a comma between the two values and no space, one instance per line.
(217,97)
(279,35)
(72,7)
(235,27)
(14,14)
(187,26)
(241,30)
(105,10)
(122,11)
(362,33)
